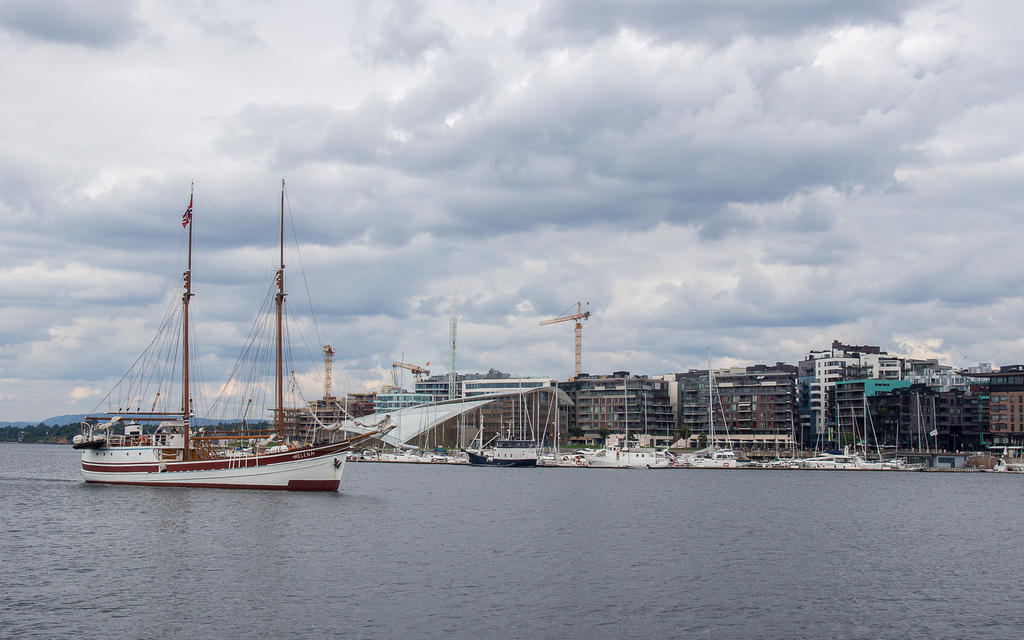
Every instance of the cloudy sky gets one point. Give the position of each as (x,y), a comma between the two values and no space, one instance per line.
(750,177)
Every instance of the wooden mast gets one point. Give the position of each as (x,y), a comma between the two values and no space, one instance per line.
(186,404)
(279,410)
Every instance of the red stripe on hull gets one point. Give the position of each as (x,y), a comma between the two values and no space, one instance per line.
(219,464)
(120,468)
(293,485)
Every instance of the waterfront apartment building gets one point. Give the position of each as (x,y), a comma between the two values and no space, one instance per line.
(617,404)
(918,417)
(821,370)
(853,419)
(1003,403)
(754,407)
(941,377)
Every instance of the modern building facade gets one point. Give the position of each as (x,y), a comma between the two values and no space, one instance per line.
(393,398)
(853,421)
(619,403)
(484,386)
(916,417)
(753,407)
(826,367)
(1003,403)
(493,381)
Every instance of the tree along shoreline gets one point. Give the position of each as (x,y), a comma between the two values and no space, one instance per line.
(41,433)
(62,434)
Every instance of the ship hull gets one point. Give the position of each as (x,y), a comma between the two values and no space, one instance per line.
(477,460)
(626,459)
(312,469)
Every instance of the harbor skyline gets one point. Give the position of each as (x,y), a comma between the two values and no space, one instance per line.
(750,181)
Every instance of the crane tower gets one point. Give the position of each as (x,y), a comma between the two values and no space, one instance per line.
(328,361)
(578,316)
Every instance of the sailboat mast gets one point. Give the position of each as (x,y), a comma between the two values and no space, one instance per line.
(556,416)
(711,405)
(186,404)
(625,409)
(279,377)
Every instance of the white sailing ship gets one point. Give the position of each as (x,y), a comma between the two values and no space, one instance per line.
(116,449)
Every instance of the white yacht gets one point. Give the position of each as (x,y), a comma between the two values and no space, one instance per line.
(833,461)
(712,459)
(628,458)
(563,459)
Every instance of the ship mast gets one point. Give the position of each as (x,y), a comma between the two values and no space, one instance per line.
(186,404)
(279,410)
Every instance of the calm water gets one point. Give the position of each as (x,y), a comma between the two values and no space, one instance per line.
(460,552)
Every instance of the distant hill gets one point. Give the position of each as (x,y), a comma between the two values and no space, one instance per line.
(50,422)
(66,419)
(75,418)
(61,429)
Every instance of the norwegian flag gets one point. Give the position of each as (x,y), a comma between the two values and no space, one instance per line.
(186,217)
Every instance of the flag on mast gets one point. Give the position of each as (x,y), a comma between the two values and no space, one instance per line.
(186,217)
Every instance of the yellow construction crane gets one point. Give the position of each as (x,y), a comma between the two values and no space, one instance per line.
(417,370)
(579,315)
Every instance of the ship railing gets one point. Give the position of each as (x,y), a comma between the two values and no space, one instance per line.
(133,440)
(140,440)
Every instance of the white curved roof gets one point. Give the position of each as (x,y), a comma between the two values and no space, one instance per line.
(415,421)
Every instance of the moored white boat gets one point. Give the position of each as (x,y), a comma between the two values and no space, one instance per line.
(832,461)
(574,460)
(711,459)
(628,458)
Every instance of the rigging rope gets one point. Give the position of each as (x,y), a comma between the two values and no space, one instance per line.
(302,269)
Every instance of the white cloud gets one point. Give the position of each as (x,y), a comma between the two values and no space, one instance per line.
(757,180)
(81,393)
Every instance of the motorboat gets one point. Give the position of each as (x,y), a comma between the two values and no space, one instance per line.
(628,458)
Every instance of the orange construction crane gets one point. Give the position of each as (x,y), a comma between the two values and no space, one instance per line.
(579,315)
